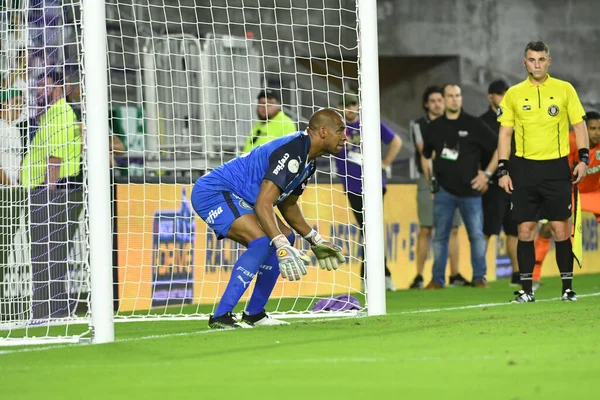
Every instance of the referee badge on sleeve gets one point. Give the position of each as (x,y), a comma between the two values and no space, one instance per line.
(553,110)
(499,112)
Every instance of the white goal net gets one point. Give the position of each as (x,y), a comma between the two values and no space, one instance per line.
(44,263)
(183,83)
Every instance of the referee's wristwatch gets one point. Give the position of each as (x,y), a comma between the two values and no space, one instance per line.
(501,173)
(502,169)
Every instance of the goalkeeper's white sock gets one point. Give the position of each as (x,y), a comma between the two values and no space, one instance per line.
(265,282)
(244,270)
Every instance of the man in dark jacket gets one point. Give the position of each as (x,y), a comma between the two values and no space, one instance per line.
(458,140)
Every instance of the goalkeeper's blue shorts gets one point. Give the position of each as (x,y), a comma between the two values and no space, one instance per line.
(218,207)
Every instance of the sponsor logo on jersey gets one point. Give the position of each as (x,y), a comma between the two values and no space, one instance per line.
(281,164)
(293,166)
(243,203)
(553,110)
(526,108)
(463,133)
(593,170)
(213,214)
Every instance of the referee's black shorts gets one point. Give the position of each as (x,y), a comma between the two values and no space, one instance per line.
(497,212)
(542,189)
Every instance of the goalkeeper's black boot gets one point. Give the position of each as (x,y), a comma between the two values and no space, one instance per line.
(226,321)
(262,319)
(569,295)
(523,297)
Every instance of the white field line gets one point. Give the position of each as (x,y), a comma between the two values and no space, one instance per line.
(483,305)
(149,337)
(431,310)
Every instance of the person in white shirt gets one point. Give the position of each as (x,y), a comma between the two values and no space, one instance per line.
(11,148)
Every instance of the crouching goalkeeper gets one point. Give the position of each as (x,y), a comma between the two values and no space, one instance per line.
(236,200)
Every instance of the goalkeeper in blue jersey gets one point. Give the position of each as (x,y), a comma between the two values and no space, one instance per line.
(236,200)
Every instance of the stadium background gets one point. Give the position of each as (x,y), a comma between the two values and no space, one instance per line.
(462,335)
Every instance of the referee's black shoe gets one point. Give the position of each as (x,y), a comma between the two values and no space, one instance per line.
(523,297)
(569,295)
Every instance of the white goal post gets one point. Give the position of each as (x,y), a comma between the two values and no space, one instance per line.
(183,79)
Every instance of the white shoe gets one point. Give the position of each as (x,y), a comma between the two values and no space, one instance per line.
(389,284)
(262,319)
(569,295)
(523,297)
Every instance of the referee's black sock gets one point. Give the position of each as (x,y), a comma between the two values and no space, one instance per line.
(526,259)
(564,260)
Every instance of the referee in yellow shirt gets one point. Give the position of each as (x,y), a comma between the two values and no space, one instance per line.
(539,110)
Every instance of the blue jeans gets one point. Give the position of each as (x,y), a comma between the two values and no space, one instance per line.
(444,206)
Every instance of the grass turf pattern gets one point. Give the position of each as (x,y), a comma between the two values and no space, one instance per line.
(457,343)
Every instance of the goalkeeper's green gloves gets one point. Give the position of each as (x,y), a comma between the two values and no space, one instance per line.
(327,253)
(291,260)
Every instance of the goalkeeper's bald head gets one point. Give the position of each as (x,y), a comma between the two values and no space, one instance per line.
(325,117)
(327,131)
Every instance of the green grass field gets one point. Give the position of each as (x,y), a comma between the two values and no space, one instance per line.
(449,344)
